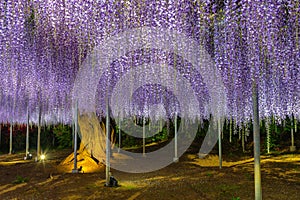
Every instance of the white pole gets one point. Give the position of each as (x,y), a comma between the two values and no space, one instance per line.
(268,135)
(292,136)
(119,135)
(107,169)
(0,133)
(39,136)
(73,131)
(10,137)
(144,136)
(220,143)
(27,135)
(256,139)
(292,147)
(175,159)
(75,170)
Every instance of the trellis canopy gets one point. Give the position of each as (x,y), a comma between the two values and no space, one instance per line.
(46,47)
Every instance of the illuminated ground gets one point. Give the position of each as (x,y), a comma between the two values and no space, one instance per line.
(191,178)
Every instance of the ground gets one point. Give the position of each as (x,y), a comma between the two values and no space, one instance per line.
(191,178)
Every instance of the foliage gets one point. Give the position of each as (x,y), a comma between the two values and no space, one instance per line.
(20,179)
(63,134)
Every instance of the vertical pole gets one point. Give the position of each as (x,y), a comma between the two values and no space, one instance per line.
(73,132)
(75,170)
(120,135)
(268,135)
(292,137)
(293,147)
(144,136)
(292,131)
(10,137)
(39,136)
(243,139)
(230,130)
(168,127)
(175,139)
(220,143)
(27,134)
(107,161)
(0,134)
(256,139)
(295,124)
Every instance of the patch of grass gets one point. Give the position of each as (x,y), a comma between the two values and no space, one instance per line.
(128,186)
(200,187)
(249,176)
(91,186)
(209,174)
(235,198)
(20,179)
(226,187)
(227,191)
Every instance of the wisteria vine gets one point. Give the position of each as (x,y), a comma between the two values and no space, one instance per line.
(44,42)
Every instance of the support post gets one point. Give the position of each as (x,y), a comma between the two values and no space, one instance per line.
(10,137)
(220,143)
(107,161)
(73,131)
(268,135)
(292,147)
(75,170)
(0,133)
(120,135)
(256,139)
(144,136)
(38,153)
(175,159)
(27,135)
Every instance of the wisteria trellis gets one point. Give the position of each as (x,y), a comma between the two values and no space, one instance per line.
(43,42)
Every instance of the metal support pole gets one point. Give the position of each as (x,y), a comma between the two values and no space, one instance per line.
(144,136)
(256,139)
(292,147)
(119,135)
(75,170)
(10,137)
(220,143)
(39,136)
(243,139)
(175,159)
(107,169)
(73,131)
(27,134)
(0,133)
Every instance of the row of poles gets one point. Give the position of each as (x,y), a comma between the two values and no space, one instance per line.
(108,147)
(27,137)
(75,169)
(256,136)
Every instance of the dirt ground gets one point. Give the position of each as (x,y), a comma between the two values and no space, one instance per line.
(191,178)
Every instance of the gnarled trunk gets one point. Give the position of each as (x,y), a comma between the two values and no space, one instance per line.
(91,153)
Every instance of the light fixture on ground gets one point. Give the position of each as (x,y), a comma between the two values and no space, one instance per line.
(43,157)
(28,156)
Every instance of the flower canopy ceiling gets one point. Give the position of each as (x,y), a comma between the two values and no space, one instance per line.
(44,43)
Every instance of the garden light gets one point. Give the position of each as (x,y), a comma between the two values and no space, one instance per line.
(43,157)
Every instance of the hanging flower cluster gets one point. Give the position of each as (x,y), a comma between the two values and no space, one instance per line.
(258,41)
(44,42)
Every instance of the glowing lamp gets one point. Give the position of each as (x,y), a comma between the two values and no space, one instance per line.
(43,157)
